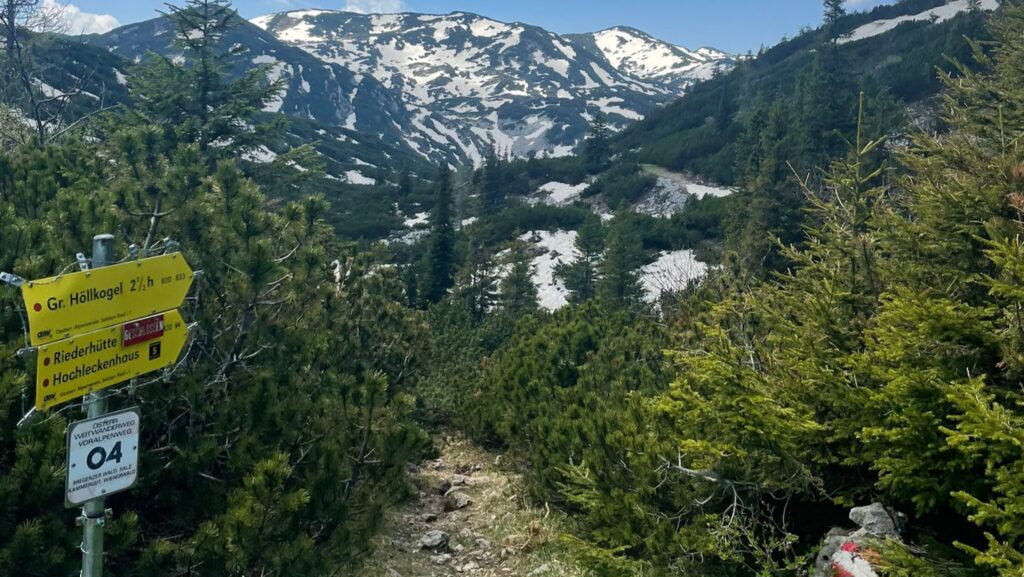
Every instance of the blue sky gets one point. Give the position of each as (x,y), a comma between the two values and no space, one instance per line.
(732,25)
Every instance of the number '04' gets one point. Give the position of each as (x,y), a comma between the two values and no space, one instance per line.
(99,456)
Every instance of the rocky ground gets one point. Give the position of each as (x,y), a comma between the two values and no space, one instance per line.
(471,517)
(673,191)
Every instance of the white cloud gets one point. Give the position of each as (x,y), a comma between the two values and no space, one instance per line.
(375,6)
(79,22)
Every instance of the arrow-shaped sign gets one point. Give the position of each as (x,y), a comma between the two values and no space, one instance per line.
(71,368)
(64,306)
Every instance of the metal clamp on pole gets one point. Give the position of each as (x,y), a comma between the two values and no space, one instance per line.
(11,279)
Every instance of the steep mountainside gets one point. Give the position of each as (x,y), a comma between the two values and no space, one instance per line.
(468,84)
(934,15)
(891,53)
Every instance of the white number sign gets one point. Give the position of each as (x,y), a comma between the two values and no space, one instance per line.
(103,456)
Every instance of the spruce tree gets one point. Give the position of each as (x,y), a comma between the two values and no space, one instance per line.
(596,148)
(581,276)
(518,291)
(952,336)
(494,183)
(405,186)
(440,261)
(771,204)
(411,279)
(477,281)
(834,11)
(196,99)
(620,284)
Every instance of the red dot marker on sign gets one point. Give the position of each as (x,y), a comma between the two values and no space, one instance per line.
(46,382)
(46,362)
(38,307)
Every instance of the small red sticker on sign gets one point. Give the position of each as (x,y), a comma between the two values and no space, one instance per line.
(143,330)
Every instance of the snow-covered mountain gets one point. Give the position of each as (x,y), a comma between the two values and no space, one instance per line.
(639,55)
(468,84)
(452,87)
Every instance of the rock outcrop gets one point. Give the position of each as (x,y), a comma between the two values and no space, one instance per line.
(851,553)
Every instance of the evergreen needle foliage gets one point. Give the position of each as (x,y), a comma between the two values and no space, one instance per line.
(881,362)
(862,339)
(285,430)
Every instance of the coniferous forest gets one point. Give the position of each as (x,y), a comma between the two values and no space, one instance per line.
(857,339)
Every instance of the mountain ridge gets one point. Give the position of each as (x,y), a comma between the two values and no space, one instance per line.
(455,87)
(472,84)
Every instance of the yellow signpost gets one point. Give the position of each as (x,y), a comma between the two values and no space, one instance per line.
(92,330)
(71,368)
(64,306)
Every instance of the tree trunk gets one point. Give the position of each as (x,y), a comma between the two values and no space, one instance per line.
(10,25)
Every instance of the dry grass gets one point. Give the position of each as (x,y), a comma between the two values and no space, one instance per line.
(500,535)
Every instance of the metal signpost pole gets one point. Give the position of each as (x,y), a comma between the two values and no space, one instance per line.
(94,511)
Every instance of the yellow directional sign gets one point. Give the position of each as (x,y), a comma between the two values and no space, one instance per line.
(75,303)
(71,368)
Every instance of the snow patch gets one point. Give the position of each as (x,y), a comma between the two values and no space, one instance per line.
(485,28)
(559,66)
(356,177)
(702,190)
(562,151)
(608,107)
(262,155)
(418,219)
(558,248)
(262,21)
(47,90)
(672,272)
(559,193)
(603,75)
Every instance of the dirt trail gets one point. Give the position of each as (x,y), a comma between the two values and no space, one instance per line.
(470,518)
